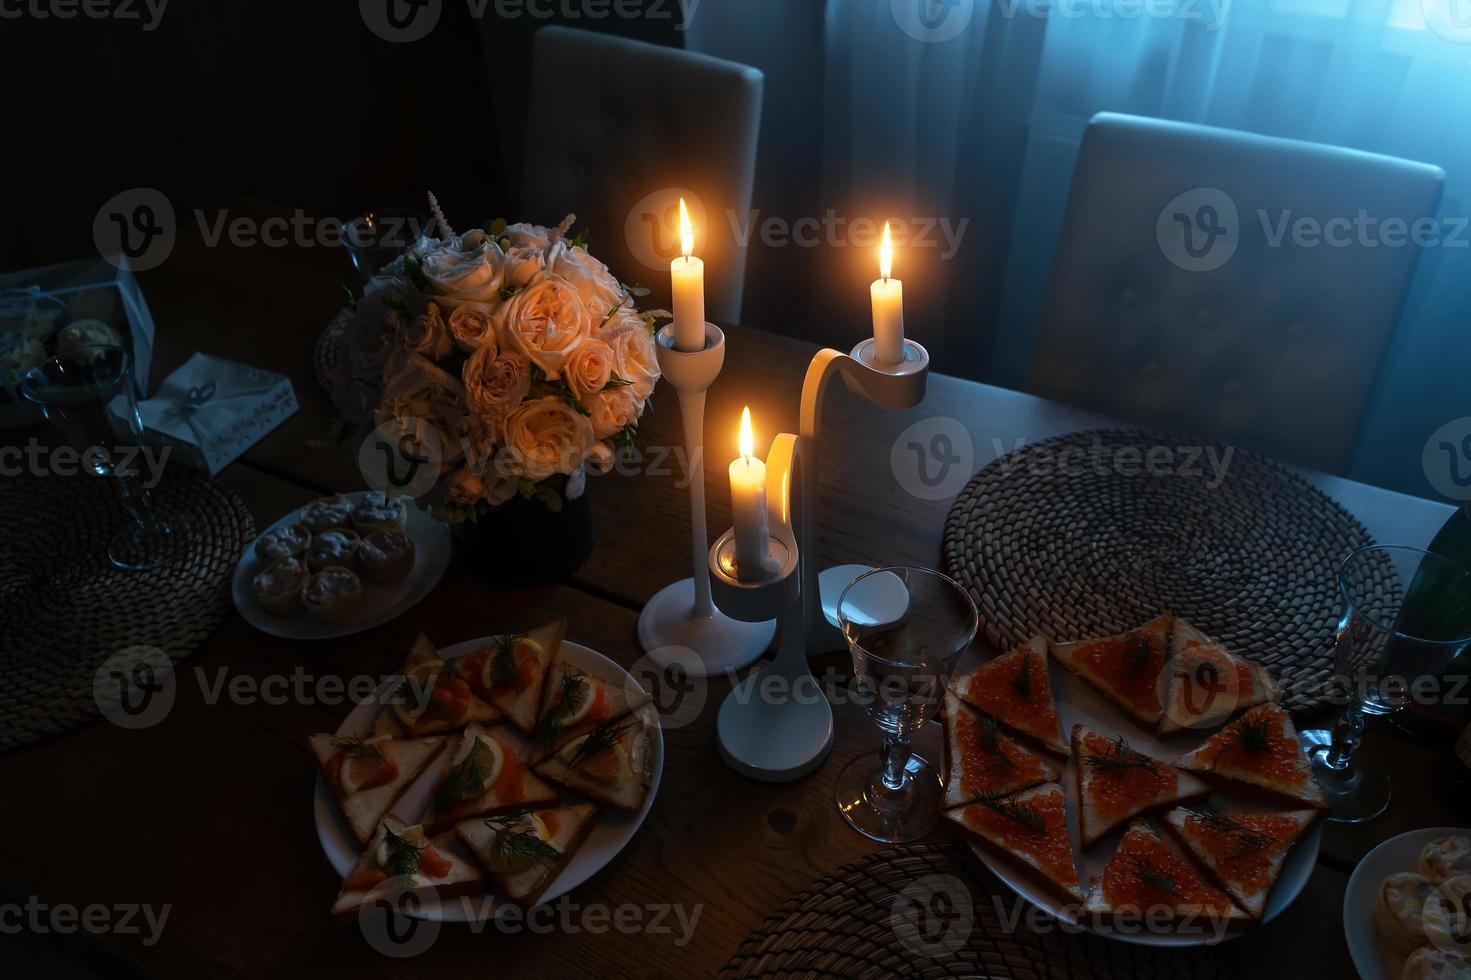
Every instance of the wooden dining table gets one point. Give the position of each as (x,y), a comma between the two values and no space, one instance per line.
(210,811)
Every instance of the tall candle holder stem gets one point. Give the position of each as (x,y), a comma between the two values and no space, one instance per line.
(683,616)
(776,725)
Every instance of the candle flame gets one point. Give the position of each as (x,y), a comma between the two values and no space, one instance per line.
(748,442)
(886,254)
(686,231)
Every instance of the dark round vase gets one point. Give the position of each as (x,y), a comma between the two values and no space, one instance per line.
(524,542)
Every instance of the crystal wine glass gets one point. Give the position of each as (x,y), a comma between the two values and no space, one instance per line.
(906,628)
(1406,617)
(88,394)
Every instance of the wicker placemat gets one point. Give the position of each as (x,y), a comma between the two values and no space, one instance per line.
(931,910)
(64,608)
(327,353)
(1049,539)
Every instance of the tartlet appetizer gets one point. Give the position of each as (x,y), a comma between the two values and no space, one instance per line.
(333,594)
(1446,857)
(335,546)
(327,513)
(278,586)
(1429,963)
(386,557)
(1399,914)
(375,512)
(284,541)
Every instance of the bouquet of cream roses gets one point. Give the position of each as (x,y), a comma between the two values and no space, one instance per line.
(509,355)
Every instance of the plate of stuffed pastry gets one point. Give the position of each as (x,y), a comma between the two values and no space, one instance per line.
(340,565)
(1145,786)
(1407,907)
(508,768)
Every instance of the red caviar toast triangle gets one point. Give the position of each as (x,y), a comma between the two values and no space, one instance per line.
(1242,849)
(1203,683)
(1124,668)
(1016,691)
(1030,826)
(981,760)
(1115,782)
(1259,750)
(1146,875)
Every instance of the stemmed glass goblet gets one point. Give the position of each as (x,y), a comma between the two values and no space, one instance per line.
(906,628)
(88,393)
(1406,617)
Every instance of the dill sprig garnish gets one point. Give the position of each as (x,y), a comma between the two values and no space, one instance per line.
(989,739)
(356,746)
(404,858)
(599,740)
(1249,839)
(503,666)
(1154,877)
(1254,734)
(1021,681)
(518,846)
(1023,813)
(470,774)
(549,726)
(1119,757)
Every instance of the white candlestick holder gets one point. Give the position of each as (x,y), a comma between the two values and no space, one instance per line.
(683,616)
(777,725)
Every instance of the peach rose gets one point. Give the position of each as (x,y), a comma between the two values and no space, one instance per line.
(456,277)
(545,322)
(472,327)
(495,382)
(599,290)
(429,335)
(634,358)
(427,405)
(589,368)
(547,436)
(522,264)
(612,410)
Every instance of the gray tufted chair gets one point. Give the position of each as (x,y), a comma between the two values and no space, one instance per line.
(1166,308)
(617,127)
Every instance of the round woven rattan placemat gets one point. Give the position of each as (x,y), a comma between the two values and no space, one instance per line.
(931,910)
(1080,536)
(65,610)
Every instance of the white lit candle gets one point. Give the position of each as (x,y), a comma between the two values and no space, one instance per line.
(689,289)
(748,504)
(887,295)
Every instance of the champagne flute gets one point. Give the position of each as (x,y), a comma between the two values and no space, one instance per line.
(906,628)
(1391,642)
(88,393)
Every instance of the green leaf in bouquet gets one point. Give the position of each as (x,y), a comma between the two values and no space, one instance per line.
(621,303)
(616,382)
(551,498)
(571,400)
(495,227)
(349,301)
(628,435)
(508,291)
(580,239)
(639,291)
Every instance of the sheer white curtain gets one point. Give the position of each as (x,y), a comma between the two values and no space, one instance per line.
(983,127)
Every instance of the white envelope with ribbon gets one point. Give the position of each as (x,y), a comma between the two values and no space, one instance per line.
(211,410)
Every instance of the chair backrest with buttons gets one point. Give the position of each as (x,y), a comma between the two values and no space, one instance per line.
(1237,286)
(618,130)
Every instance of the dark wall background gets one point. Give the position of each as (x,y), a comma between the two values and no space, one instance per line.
(297,104)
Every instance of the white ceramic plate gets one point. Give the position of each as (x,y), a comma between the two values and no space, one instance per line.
(381,603)
(614,830)
(1372,958)
(1079,703)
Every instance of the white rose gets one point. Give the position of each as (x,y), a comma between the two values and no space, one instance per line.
(472,326)
(495,383)
(545,322)
(529,236)
(457,277)
(612,410)
(428,335)
(547,436)
(599,290)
